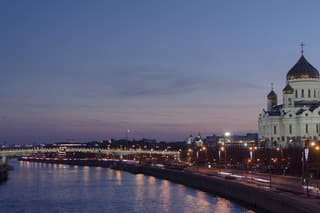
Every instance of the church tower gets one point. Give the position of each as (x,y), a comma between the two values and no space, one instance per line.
(272,100)
(288,96)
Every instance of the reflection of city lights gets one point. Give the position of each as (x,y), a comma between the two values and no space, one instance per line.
(317,147)
(222,205)
(118,177)
(222,148)
(313,143)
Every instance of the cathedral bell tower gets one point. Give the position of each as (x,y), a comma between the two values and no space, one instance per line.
(288,96)
(272,100)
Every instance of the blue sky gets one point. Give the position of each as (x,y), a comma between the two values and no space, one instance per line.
(163,69)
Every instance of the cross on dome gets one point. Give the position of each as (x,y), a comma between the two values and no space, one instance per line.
(302,46)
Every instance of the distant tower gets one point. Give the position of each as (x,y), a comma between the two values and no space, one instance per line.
(199,141)
(190,140)
(272,99)
(288,96)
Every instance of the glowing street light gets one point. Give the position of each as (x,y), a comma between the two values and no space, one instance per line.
(226,139)
(227,134)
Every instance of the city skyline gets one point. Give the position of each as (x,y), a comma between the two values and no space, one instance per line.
(163,70)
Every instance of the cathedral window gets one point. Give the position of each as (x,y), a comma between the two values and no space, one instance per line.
(290,129)
(307,129)
(275,130)
(289,101)
(309,93)
(302,93)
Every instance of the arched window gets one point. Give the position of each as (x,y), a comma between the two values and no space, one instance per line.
(289,101)
(290,129)
(307,129)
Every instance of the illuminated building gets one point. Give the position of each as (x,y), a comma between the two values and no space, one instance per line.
(298,117)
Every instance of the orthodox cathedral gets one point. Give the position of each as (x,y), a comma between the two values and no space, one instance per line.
(298,117)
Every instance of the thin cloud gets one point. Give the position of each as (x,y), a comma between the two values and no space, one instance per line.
(154,82)
(145,82)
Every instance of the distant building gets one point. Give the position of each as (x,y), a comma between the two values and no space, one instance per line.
(190,140)
(197,141)
(211,140)
(298,117)
(240,141)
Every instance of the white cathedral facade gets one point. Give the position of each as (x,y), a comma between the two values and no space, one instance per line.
(298,117)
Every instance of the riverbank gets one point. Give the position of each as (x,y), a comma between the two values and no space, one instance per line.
(264,199)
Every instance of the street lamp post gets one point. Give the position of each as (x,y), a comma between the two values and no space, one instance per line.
(226,139)
(253,154)
(305,155)
(270,155)
(225,157)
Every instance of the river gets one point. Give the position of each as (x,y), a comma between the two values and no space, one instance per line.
(39,187)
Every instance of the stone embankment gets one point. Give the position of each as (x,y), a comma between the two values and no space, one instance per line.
(265,200)
(262,199)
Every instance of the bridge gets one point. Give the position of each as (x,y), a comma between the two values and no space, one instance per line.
(5,153)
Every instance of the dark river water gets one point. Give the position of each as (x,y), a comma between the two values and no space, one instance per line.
(39,187)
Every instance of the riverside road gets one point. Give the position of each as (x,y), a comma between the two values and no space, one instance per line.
(289,185)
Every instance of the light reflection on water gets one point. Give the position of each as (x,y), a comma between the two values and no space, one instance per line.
(165,195)
(39,187)
(222,205)
(118,177)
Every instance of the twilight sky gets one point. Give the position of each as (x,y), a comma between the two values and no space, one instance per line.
(90,70)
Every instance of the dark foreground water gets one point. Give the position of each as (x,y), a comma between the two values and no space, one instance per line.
(39,187)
